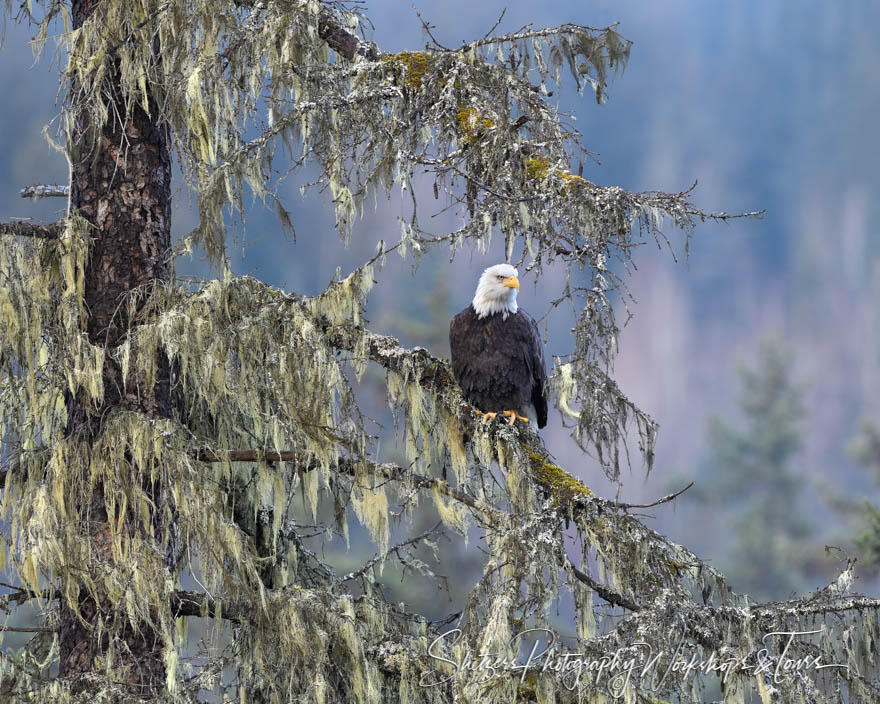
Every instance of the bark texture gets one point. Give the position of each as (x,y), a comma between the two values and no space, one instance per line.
(123,189)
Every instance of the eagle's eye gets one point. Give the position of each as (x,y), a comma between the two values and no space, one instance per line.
(499,277)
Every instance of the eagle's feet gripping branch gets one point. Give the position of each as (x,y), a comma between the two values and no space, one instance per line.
(513,415)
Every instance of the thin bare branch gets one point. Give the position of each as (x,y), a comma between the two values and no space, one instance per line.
(376,559)
(663,500)
(538,33)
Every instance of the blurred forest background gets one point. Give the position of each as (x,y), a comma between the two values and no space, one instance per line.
(758,352)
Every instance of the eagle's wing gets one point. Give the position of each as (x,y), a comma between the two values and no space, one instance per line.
(534,351)
(460,343)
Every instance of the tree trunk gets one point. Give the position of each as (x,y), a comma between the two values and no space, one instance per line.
(123,190)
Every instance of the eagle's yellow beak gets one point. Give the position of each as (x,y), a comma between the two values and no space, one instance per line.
(511,282)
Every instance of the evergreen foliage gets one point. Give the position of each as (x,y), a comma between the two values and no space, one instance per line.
(754,478)
(866,450)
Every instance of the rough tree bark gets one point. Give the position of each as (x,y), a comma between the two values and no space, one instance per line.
(122,189)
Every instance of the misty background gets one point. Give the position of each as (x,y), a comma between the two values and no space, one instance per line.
(767,106)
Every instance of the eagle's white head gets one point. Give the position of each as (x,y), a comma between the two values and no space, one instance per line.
(496,291)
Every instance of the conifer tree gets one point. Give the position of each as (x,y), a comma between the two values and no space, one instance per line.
(866,450)
(156,434)
(753,479)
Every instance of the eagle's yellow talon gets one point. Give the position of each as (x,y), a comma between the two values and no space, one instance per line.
(486,416)
(514,416)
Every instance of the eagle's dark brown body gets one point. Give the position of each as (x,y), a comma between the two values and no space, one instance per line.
(499,363)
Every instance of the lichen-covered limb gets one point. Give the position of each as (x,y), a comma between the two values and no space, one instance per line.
(48,231)
(435,375)
(344,42)
(380,470)
(571,496)
(39,190)
(16,597)
(812,605)
(743,634)
(310,618)
(192,603)
(331,31)
(603,591)
(394,472)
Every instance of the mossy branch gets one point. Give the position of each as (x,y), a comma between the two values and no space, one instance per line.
(334,34)
(386,471)
(567,490)
(607,594)
(39,190)
(190,603)
(49,231)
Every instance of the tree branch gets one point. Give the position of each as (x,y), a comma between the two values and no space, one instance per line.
(342,41)
(246,456)
(350,467)
(379,558)
(188,603)
(395,472)
(337,37)
(40,190)
(807,606)
(28,229)
(664,500)
(604,592)
(19,596)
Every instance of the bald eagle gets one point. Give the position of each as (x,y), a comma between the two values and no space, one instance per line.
(497,357)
